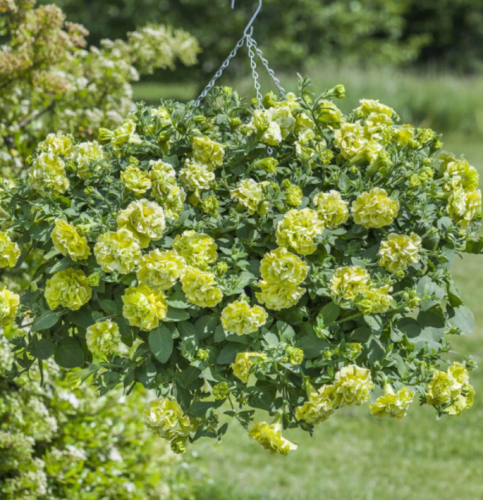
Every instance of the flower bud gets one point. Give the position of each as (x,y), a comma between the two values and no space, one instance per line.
(105,136)
(269,100)
(221,391)
(178,446)
(221,268)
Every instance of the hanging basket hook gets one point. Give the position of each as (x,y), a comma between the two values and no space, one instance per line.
(249,25)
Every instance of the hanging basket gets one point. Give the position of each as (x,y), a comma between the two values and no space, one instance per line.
(279,256)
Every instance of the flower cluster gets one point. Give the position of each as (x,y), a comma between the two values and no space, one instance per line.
(278,255)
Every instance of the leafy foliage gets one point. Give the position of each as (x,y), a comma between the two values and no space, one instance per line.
(56,442)
(48,80)
(292,32)
(236,206)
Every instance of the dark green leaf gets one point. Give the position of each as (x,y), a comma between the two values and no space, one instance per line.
(228,353)
(110,307)
(43,350)
(199,408)
(69,353)
(161,343)
(206,326)
(176,315)
(46,320)
(330,312)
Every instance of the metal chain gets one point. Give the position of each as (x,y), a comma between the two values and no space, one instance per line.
(253,65)
(276,81)
(218,74)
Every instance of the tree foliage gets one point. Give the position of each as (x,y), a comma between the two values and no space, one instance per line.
(49,80)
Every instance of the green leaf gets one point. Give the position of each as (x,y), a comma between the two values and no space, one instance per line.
(206,326)
(220,334)
(161,343)
(199,408)
(124,327)
(228,353)
(43,350)
(475,247)
(146,373)
(82,317)
(462,317)
(286,332)
(188,376)
(69,353)
(312,346)
(61,265)
(110,307)
(176,315)
(46,320)
(330,312)
(178,300)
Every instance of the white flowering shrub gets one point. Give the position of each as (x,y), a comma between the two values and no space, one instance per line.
(49,80)
(278,256)
(58,443)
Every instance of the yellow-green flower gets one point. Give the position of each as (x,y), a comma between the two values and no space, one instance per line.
(47,175)
(9,251)
(9,303)
(200,288)
(319,407)
(293,196)
(403,134)
(462,402)
(399,251)
(88,156)
(163,177)
(117,251)
(283,267)
(375,209)
(144,307)
(68,241)
(353,385)
(197,176)
(270,437)
(298,229)
(69,288)
(393,405)
(459,173)
(103,337)
(268,164)
(166,418)
(59,144)
(464,207)
(125,133)
(238,317)
(211,205)
(243,364)
(368,106)
(160,270)
(249,194)
(331,209)
(349,138)
(199,250)
(207,151)
(136,180)
(442,389)
(144,219)
(172,202)
(329,114)
(348,282)
(278,296)
(376,300)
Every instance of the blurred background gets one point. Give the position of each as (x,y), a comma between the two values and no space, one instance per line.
(421,57)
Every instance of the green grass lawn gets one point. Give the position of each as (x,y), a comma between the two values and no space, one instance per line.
(354,456)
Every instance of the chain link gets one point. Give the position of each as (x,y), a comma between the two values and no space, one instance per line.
(218,74)
(276,81)
(253,65)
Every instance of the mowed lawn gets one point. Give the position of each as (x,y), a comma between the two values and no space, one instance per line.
(354,456)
